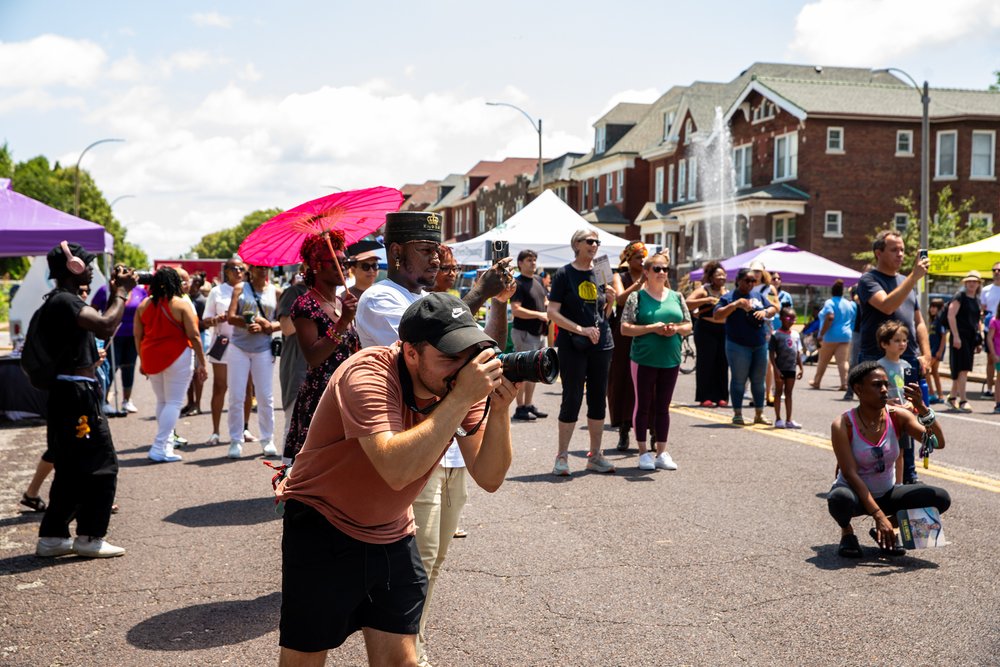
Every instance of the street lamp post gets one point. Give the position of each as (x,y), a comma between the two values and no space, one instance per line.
(76,187)
(118,199)
(538,128)
(925,172)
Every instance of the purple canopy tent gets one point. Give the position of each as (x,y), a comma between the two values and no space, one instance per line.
(796,266)
(29,228)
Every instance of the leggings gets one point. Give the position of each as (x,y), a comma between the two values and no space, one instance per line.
(578,370)
(125,356)
(844,505)
(654,389)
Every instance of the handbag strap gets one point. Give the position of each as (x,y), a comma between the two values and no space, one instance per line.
(576,286)
(170,318)
(256,298)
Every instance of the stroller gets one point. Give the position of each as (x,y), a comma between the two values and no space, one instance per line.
(810,344)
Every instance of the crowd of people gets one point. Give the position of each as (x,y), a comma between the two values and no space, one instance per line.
(391,387)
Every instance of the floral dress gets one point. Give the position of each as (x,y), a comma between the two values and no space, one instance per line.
(318,376)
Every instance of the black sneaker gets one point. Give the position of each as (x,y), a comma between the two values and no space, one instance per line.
(522,413)
(535,411)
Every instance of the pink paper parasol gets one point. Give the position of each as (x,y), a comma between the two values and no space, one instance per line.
(355,214)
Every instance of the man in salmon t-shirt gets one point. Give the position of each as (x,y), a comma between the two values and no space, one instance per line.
(349,560)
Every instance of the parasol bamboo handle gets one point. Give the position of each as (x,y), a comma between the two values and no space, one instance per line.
(336,262)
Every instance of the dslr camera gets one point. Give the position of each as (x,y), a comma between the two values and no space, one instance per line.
(530,366)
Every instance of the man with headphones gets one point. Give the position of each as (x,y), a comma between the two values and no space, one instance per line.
(78,437)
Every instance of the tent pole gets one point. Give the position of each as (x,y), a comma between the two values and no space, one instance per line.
(111,352)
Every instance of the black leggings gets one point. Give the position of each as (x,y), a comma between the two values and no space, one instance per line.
(844,505)
(654,389)
(576,370)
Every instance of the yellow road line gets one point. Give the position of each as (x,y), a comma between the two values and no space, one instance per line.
(938,470)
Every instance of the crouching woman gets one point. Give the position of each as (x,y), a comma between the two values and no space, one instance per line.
(866,442)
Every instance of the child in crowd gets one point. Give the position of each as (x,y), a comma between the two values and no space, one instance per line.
(893,337)
(785,349)
(993,344)
(939,345)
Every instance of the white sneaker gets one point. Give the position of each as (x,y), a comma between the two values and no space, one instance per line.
(96,547)
(664,462)
(109,409)
(214,440)
(129,406)
(49,547)
(248,436)
(779,423)
(646,462)
(165,455)
(235,450)
(269,449)
(792,424)
(178,440)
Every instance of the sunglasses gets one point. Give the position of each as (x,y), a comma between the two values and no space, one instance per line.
(879,460)
(592,241)
(366,266)
(659,269)
(237,269)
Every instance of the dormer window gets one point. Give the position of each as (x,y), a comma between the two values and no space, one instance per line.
(465,188)
(668,124)
(600,139)
(688,131)
(764,111)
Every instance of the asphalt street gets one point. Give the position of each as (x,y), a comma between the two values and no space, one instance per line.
(730,560)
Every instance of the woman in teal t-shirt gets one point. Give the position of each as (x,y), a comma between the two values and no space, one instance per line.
(656,317)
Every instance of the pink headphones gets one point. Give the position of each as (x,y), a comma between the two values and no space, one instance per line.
(73,263)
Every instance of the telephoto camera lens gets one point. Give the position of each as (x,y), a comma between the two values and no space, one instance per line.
(143,277)
(531,366)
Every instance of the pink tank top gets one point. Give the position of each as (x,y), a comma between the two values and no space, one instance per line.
(876,461)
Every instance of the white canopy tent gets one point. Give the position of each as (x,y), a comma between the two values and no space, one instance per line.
(545,226)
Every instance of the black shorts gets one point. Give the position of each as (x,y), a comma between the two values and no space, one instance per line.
(333,585)
(788,375)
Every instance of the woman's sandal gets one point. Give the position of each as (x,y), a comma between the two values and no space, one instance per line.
(893,551)
(34,503)
(850,547)
(964,406)
(952,402)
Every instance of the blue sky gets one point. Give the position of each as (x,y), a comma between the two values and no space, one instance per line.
(228,107)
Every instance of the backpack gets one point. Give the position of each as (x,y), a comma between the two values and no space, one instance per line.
(36,362)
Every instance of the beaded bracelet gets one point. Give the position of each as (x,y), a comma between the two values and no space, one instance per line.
(927,419)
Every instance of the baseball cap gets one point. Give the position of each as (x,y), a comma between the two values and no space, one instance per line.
(444,321)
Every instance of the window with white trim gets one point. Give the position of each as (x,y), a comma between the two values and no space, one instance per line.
(783,229)
(764,111)
(688,131)
(518,204)
(621,184)
(682,180)
(693,179)
(482,222)
(904,143)
(742,158)
(835,140)
(946,149)
(499,214)
(983,154)
(658,186)
(608,188)
(597,191)
(670,185)
(900,222)
(982,215)
(786,156)
(833,224)
(600,138)
(668,124)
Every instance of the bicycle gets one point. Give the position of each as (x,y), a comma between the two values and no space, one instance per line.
(687,354)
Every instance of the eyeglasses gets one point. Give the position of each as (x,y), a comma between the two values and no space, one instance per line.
(750,281)
(450,268)
(592,241)
(879,460)
(996,270)
(237,269)
(659,269)
(366,266)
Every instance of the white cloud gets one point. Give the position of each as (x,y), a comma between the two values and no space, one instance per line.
(188,61)
(126,69)
(870,33)
(39,100)
(249,73)
(50,60)
(211,20)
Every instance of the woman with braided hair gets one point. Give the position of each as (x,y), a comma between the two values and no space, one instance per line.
(324,326)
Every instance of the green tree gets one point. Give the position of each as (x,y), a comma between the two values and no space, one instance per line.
(226,242)
(950,225)
(995,87)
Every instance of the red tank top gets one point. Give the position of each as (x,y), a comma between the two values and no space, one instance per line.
(163,340)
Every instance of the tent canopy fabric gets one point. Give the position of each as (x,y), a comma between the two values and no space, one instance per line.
(796,266)
(980,255)
(545,226)
(29,228)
